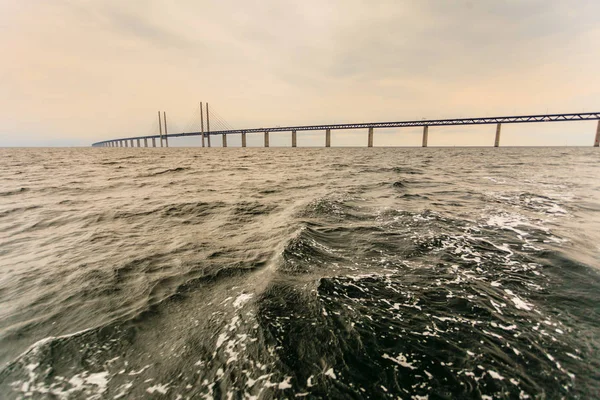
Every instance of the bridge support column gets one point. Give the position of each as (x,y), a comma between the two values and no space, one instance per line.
(425,135)
(203,145)
(208,138)
(497,141)
(597,140)
(138,143)
(153,142)
(145,142)
(131,142)
(266,138)
(294,139)
(370,139)
(327,137)
(126,143)
(243,139)
(224,140)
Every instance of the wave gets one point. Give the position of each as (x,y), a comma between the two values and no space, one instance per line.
(14,192)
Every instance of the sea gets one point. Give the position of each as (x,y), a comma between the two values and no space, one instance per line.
(285,273)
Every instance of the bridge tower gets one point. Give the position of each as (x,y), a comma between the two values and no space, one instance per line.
(160,129)
(166,134)
(208,124)
(202,124)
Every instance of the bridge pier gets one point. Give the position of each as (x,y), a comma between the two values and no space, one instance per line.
(497,141)
(224,140)
(597,140)
(153,142)
(131,142)
(294,139)
(266,138)
(145,142)
(138,143)
(425,135)
(243,139)
(327,137)
(370,139)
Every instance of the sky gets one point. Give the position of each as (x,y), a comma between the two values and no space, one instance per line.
(74,72)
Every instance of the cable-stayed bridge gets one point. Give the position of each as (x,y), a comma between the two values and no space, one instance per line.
(223,128)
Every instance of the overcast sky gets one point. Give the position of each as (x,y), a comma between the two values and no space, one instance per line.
(76,71)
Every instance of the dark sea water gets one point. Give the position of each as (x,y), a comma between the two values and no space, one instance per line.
(286,273)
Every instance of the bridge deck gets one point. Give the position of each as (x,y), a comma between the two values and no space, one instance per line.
(518,119)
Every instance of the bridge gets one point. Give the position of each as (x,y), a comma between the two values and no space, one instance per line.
(224,130)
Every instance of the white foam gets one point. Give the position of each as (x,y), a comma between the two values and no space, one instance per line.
(309,381)
(140,371)
(286,383)
(162,389)
(242,299)
(400,360)
(330,373)
(555,209)
(99,379)
(495,375)
(520,304)
(222,337)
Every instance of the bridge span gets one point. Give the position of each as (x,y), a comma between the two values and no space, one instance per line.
(369,126)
